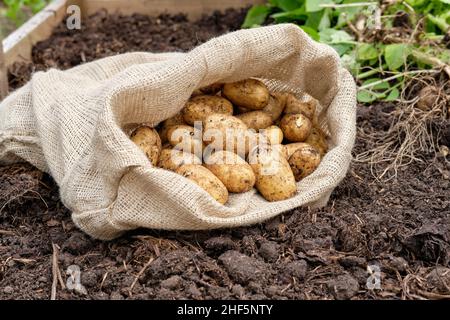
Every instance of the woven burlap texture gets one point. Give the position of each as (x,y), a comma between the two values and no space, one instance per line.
(72,123)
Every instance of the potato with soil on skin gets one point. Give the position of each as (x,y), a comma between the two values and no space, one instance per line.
(206,180)
(250,94)
(296,127)
(186,138)
(234,172)
(290,148)
(304,161)
(256,119)
(318,140)
(273,134)
(225,132)
(428,96)
(276,105)
(168,123)
(148,140)
(274,178)
(306,106)
(199,107)
(172,159)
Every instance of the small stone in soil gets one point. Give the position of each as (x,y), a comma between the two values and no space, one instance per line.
(172,283)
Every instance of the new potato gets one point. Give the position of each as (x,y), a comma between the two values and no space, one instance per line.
(273,134)
(147,139)
(296,127)
(250,94)
(306,106)
(274,178)
(199,107)
(276,105)
(225,132)
(234,172)
(318,139)
(304,161)
(256,119)
(185,138)
(172,159)
(167,124)
(206,180)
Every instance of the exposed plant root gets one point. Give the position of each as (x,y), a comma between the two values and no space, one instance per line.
(412,132)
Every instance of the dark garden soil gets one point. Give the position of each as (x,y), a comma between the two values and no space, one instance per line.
(402,226)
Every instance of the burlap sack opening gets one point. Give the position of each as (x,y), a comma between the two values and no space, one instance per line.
(71,125)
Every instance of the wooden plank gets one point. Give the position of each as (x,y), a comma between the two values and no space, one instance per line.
(193,8)
(17,46)
(3,75)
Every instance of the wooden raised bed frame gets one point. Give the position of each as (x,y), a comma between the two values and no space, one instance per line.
(18,45)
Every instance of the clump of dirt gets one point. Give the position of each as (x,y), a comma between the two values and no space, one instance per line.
(374,240)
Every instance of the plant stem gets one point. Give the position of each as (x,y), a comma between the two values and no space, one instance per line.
(371,72)
(348,5)
(433,61)
(401,74)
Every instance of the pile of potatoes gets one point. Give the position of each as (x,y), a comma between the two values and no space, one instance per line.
(267,140)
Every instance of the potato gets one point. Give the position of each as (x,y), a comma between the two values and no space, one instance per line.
(428,97)
(172,159)
(186,138)
(273,134)
(296,127)
(250,94)
(225,132)
(232,170)
(318,139)
(305,106)
(276,105)
(256,119)
(199,107)
(173,121)
(292,147)
(148,140)
(206,180)
(304,161)
(274,178)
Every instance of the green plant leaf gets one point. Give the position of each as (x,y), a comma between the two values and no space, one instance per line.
(366,51)
(319,20)
(345,14)
(314,5)
(297,14)
(396,54)
(393,95)
(311,32)
(288,5)
(438,22)
(366,96)
(330,35)
(256,16)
